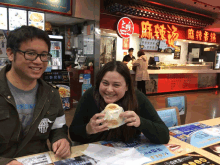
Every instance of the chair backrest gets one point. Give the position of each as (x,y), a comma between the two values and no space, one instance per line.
(180,102)
(170,116)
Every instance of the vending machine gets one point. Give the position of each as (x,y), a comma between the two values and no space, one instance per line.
(57,51)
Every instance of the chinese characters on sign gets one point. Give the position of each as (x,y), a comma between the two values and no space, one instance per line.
(169,33)
(201,36)
(125,27)
(191,34)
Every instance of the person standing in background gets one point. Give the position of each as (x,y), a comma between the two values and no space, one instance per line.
(141,71)
(129,57)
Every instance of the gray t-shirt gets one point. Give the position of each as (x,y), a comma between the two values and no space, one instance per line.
(25,103)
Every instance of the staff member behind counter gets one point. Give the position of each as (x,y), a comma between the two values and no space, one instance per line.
(129,57)
(114,85)
(31,110)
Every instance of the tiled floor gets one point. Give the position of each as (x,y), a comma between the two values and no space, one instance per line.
(201,105)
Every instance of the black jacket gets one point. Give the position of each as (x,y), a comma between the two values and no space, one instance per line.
(151,126)
(48,106)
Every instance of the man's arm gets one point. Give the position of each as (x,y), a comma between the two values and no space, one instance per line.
(5,160)
(59,128)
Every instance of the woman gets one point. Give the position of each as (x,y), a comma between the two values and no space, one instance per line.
(114,85)
(141,71)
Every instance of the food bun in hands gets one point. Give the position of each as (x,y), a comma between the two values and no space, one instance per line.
(112,112)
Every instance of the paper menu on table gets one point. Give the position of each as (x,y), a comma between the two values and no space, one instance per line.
(101,152)
(129,157)
(41,159)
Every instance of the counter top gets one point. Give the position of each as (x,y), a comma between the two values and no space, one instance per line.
(178,71)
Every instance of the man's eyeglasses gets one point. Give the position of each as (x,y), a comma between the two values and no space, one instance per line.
(31,56)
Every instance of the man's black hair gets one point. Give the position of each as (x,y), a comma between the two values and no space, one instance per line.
(25,33)
(130,49)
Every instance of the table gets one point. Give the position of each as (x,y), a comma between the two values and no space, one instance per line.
(184,149)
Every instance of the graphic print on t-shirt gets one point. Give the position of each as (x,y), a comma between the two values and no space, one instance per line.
(25,113)
(25,103)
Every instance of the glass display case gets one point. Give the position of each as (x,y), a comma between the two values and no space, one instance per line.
(188,66)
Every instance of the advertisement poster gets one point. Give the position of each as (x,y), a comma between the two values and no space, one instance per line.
(85,87)
(3,18)
(57,6)
(126,43)
(169,117)
(86,78)
(152,84)
(178,102)
(88,44)
(214,149)
(36,19)
(197,134)
(64,92)
(207,80)
(177,52)
(17,18)
(188,159)
(81,78)
(79,160)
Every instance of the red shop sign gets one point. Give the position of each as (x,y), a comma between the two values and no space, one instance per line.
(125,27)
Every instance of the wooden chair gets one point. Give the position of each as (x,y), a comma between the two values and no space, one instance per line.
(170,116)
(180,102)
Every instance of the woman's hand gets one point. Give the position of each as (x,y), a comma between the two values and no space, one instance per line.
(131,118)
(96,125)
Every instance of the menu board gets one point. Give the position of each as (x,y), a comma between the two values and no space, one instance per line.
(149,44)
(177,52)
(3,18)
(17,18)
(36,19)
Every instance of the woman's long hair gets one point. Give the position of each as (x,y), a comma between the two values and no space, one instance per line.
(128,102)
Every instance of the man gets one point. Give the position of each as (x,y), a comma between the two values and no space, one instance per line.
(129,57)
(30,109)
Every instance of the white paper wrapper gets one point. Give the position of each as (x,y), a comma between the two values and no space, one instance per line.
(112,117)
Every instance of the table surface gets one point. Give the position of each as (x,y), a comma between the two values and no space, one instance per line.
(185,147)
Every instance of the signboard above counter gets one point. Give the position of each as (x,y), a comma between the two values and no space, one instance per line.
(54,6)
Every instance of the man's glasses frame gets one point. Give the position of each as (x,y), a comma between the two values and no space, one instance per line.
(33,55)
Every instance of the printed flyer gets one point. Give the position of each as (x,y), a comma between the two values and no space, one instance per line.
(79,160)
(153,151)
(197,134)
(214,149)
(189,159)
